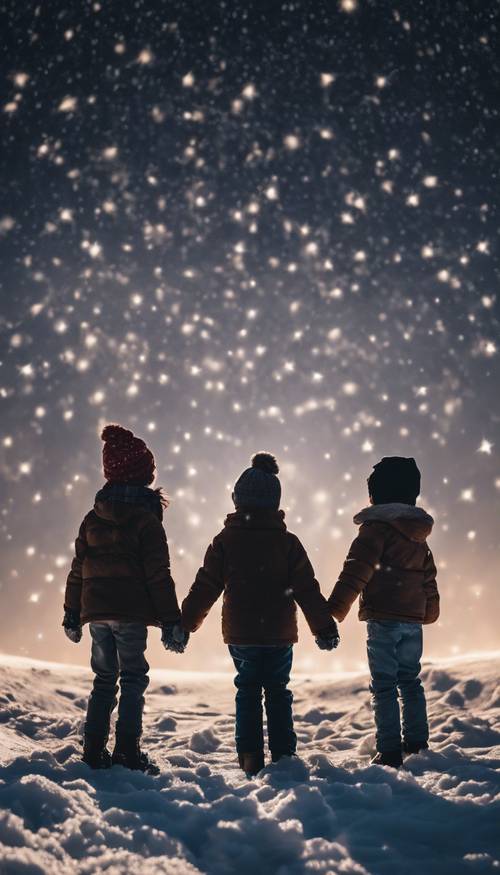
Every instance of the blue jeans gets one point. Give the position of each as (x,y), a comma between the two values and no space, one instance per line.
(394,652)
(117,652)
(263,668)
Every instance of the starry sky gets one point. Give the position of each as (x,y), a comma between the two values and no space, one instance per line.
(233,227)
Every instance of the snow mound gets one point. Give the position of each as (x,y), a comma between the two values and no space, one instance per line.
(327,811)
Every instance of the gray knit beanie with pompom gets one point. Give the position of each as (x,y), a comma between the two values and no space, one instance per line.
(258,486)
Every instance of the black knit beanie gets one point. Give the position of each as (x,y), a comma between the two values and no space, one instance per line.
(394,479)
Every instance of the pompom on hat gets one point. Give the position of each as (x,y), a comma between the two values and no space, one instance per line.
(126,458)
(259,486)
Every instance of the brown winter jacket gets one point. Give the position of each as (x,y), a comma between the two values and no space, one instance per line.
(121,569)
(262,569)
(390,567)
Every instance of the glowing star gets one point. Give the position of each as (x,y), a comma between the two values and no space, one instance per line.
(6,224)
(68,104)
(348,5)
(430,181)
(249,92)
(21,79)
(412,200)
(326,79)
(367,446)
(292,142)
(145,57)
(485,447)
(467,495)
(188,80)
(271,193)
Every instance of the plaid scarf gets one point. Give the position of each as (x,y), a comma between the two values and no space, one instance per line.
(129,494)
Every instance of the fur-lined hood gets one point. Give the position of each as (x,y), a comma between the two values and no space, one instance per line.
(413,522)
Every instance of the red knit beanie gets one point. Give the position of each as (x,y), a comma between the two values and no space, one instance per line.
(126,458)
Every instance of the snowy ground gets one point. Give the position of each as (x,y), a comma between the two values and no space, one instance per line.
(328,812)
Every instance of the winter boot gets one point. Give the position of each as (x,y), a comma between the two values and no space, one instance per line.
(391,758)
(415,746)
(276,756)
(95,753)
(251,763)
(128,753)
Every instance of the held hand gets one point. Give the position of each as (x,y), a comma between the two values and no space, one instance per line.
(72,626)
(174,637)
(329,638)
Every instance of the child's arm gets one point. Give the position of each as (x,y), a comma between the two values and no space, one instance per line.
(431,590)
(73,592)
(306,592)
(206,589)
(364,554)
(156,564)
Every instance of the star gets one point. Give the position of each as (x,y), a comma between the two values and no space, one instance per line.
(485,447)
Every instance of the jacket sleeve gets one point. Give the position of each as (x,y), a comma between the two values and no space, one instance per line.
(155,560)
(361,562)
(206,589)
(306,591)
(73,592)
(431,590)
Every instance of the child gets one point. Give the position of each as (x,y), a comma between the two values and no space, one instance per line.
(120,583)
(262,569)
(391,568)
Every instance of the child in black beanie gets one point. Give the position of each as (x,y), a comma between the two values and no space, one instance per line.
(390,567)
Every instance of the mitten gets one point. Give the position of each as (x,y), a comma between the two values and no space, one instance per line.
(174,637)
(72,625)
(328,639)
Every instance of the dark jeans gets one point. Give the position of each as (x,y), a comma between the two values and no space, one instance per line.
(394,652)
(117,652)
(268,669)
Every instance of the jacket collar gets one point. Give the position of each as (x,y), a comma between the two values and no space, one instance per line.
(112,500)
(413,522)
(256,518)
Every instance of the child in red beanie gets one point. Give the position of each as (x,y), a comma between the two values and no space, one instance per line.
(120,583)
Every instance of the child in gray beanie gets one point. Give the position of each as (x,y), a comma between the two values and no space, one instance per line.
(263,571)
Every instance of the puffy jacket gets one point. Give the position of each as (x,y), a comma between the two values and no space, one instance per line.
(263,571)
(390,567)
(121,569)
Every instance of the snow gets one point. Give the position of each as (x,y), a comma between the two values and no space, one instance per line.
(328,811)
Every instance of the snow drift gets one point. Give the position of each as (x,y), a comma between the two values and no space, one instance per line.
(328,811)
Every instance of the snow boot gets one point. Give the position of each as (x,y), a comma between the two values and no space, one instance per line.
(415,746)
(95,753)
(128,753)
(251,763)
(391,758)
(276,756)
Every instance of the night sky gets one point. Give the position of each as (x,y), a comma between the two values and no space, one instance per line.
(243,226)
